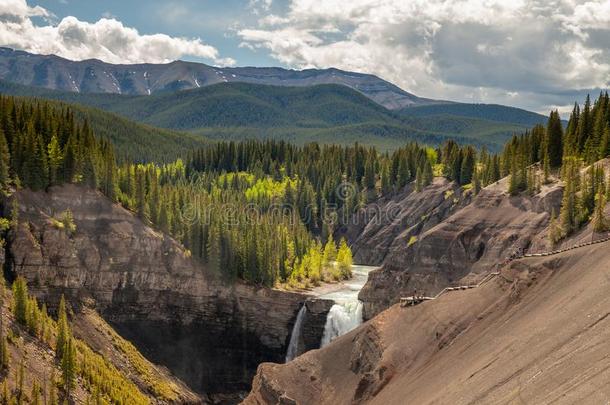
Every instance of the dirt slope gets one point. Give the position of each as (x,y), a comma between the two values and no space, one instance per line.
(40,364)
(537,334)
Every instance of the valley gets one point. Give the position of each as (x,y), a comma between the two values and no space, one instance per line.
(261,103)
(249,240)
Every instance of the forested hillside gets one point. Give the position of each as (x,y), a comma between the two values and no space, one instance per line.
(570,155)
(322,113)
(262,211)
(133,141)
(488,112)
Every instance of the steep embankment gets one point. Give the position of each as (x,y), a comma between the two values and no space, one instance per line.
(442,235)
(210,334)
(537,333)
(116,360)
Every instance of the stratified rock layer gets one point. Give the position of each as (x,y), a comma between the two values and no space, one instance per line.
(443,235)
(210,334)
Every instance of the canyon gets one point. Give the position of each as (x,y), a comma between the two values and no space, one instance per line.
(428,240)
(215,335)
(209,333)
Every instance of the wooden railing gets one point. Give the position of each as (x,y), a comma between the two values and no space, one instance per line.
(406,301)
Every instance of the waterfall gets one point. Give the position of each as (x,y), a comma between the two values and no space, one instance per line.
(341,319)
(293,346)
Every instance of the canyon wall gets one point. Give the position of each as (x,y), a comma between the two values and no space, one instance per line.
(445,235)
(207,332)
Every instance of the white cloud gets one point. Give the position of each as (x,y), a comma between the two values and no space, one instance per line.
(258,6)
(534,53)
(106,39)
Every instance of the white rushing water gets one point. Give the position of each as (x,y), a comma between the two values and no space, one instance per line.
(293,345)
(341,319)
(346,314)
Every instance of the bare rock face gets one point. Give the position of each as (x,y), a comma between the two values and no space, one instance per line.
(210,334)
(443,235)
(388,224)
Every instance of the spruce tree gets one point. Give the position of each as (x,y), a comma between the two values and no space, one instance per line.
(20,295)
(68,365)
(554,140)
(600,223)
(5,160)
(63,329)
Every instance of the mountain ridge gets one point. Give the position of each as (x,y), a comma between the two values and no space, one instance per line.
(324,113)
(96,76)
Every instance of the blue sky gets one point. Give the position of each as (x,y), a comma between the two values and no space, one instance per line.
(534,54)
(215,22)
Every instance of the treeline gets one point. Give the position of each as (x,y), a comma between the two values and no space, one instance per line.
(534,158)
(344,178)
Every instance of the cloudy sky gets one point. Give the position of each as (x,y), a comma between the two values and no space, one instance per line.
(537,54)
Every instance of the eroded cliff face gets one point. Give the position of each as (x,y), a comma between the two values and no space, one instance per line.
(536,334)
(210,334)
(444,235)
(386,226)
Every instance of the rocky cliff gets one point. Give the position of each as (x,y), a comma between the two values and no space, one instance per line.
(431,239)
(535,334)
(210,334)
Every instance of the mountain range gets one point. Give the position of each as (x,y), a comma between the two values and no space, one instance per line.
(323,105)
(95,76)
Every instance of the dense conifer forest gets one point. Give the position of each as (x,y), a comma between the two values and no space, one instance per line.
(265,212)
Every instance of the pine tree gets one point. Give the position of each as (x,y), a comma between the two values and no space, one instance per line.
(428,176)
(53,400)
(568,212)
(600,223)
(63,329)
(554,140)
(5,160)
(36,400)
(68,365)
(55,161)
(4,353)
(419,181)
(555,233)
(141,203)
(20,381)
(20,294)
(467,168)
(476,182)
(546,167)
(33,320)
(5,393)
(386,181)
